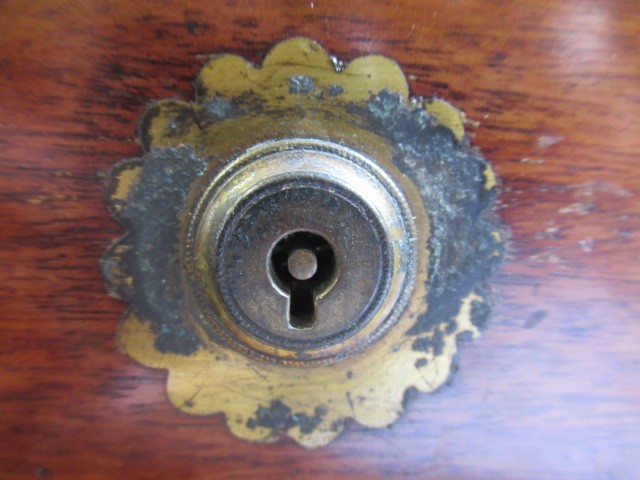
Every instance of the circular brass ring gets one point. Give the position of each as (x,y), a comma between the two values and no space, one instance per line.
(335,171)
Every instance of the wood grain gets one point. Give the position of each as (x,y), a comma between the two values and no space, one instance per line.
(552,390)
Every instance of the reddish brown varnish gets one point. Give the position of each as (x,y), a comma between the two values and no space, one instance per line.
(552,390)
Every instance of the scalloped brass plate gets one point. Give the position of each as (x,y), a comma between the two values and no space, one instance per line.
(348,134)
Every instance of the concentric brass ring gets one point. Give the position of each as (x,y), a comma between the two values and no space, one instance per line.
(325,188)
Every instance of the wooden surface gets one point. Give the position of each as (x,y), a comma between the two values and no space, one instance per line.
(552,390)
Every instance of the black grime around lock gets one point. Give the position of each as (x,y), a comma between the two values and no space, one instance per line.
(464,253)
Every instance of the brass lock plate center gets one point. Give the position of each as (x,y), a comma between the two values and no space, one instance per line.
(284,207)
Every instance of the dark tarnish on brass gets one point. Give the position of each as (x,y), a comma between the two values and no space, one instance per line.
(305,232)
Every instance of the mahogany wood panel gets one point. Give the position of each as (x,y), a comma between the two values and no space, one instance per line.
(552,390)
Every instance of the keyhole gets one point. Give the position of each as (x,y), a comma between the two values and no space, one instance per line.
(304,266)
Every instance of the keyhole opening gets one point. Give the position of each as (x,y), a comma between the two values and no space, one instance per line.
(303,265)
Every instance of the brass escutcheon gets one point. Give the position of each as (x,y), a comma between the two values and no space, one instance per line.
(303,243)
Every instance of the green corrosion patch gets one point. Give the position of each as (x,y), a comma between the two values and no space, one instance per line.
(301,85)
(451,177)
(152,216)
(279,417)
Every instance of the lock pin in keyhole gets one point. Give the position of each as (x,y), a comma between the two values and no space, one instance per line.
(303,266)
